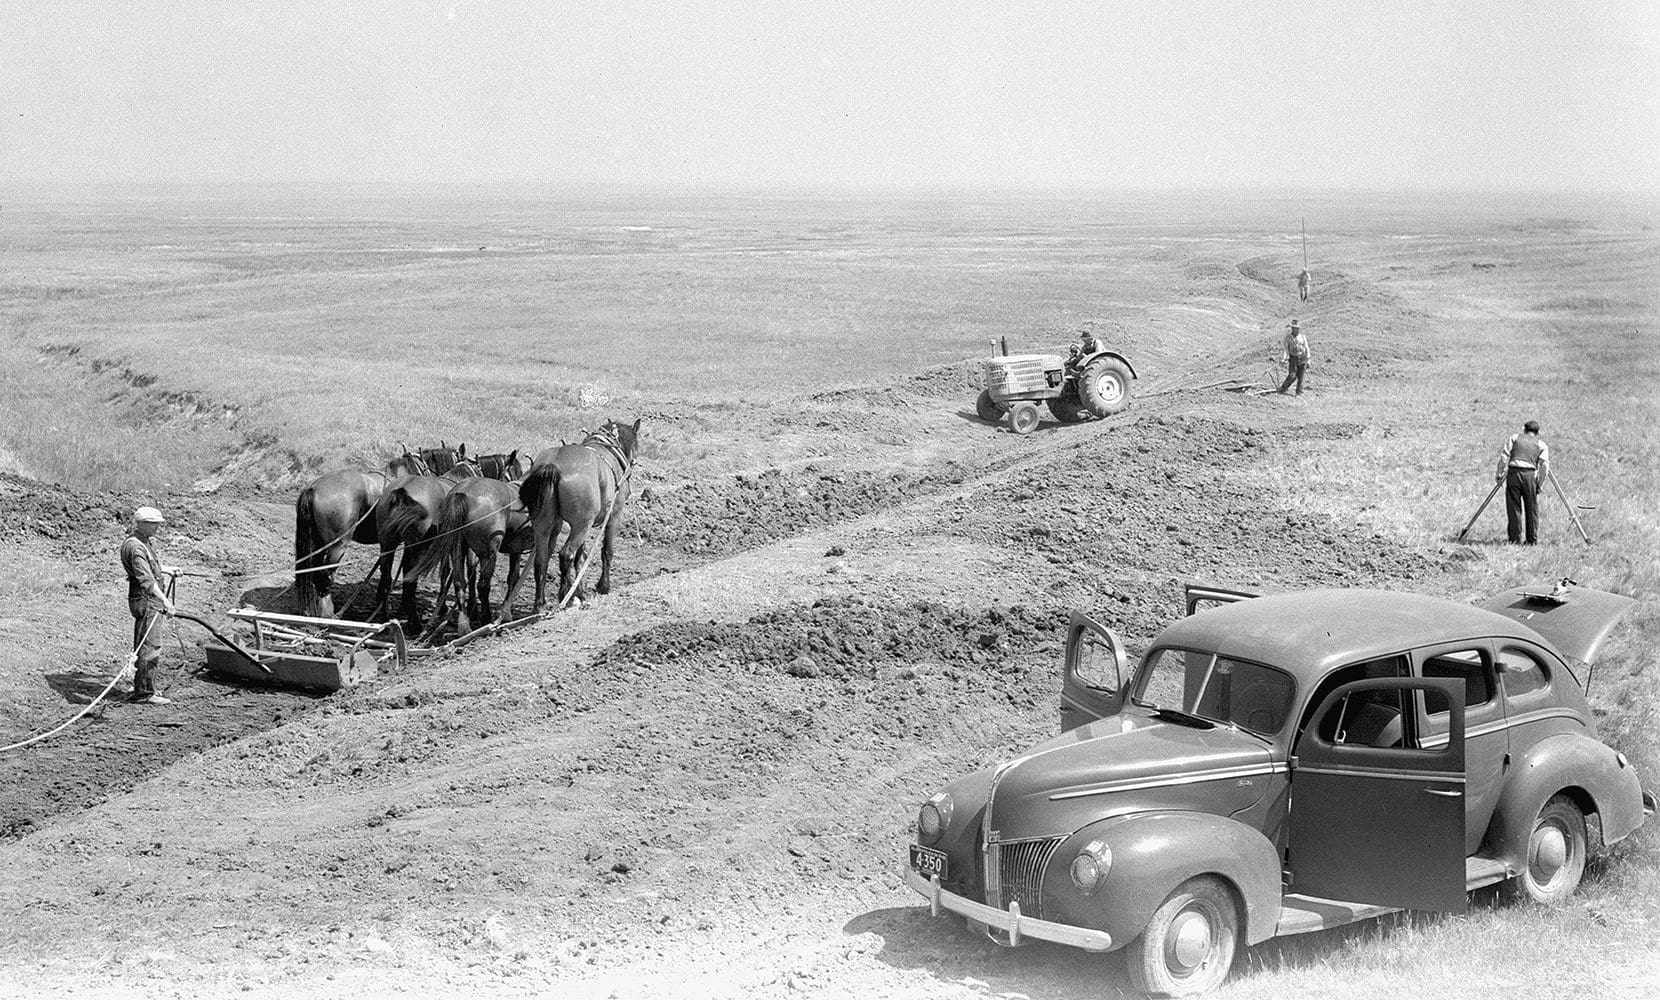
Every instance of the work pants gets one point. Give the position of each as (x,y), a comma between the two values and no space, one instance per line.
(147,644)
(1521,501)
(1294,369)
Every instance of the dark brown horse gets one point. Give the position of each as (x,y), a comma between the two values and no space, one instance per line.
(480,518)
(338,507)
(407,515)
(584,486)
(508,468)
(442,459)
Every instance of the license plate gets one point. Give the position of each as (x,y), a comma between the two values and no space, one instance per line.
(927,862)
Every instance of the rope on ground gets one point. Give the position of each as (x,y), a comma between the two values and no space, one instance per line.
(132,658)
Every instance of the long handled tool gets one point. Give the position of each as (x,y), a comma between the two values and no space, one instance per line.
(251,658)
(1551,475)
(1490,495)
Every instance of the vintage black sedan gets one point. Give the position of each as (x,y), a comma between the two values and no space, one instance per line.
(1286,764)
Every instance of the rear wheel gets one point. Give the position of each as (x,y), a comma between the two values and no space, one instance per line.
(1188,945)
(1023,417)
(989,410)
(1104,386)
(1068,409)
(1556,852)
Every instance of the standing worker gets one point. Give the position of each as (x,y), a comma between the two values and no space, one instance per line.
(1302,285)
(1524,463)
(1296,358)
(147,599)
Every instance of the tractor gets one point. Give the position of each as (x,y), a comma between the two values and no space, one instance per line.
(1090,381)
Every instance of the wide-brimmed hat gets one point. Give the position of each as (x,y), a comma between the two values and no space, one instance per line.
(149,514)
(1293,325)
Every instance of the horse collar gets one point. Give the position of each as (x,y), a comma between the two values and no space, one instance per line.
(609,447)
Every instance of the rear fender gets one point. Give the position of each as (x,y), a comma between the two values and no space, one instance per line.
(1153,853)
(1579,766)
(1121,359)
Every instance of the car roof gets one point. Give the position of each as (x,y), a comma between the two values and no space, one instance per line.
(1312,632)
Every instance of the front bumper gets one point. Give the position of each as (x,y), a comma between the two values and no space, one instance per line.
(1008,921)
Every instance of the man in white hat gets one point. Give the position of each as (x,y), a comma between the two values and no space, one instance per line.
(147,599)
(1296,358)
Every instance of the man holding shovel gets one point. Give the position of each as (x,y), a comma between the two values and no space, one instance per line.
(147,600)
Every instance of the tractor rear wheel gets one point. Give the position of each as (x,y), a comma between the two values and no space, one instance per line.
(989,410)
(1068,409)
(1104,386)
(1023,417)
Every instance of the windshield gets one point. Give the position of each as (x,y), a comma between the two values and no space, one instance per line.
(1231,692)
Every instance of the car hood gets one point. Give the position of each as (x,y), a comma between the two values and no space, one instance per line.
(1574,619)
(1126,762)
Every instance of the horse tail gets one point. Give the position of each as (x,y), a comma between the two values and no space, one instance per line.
(405,518)
(539,487)
(306,541)
(449,547)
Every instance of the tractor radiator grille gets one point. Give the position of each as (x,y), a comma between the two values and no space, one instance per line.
(1021,373)
(1020,868)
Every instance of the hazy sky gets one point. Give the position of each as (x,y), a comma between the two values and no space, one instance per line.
(1488,93)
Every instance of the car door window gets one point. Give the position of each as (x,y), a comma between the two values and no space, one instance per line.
(1353,721)
(1522,673)
(1097,663)
(1467,665)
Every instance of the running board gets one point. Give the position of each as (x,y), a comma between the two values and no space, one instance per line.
(1301,914)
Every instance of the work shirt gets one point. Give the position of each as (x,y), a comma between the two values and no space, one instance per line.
(144,573)
(1296,346)
(1525,451)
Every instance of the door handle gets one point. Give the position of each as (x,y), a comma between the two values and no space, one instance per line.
(1446,793)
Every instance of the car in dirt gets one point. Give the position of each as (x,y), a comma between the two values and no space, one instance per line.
(1283,764)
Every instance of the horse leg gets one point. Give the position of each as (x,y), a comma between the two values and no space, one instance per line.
(408,612)
(486,576)
(571,560)
(383,587)
(609,546)
(505,612)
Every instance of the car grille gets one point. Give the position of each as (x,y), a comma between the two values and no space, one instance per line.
(1020,868)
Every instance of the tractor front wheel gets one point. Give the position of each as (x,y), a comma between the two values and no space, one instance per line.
(1023,417)
(1104,386)
(989,409)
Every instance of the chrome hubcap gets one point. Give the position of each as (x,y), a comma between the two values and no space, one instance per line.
(1189,940)
(1550,853)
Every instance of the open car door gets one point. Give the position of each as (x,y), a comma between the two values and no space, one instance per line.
(1094,673)
(1376,818)
(1195,594)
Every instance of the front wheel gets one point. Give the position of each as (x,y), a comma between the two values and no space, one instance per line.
(1068,409)
(1188,946)
(989,409)
(1023,417)
(1555,854)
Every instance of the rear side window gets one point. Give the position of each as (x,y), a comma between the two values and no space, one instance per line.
(1469,666)
(1523,673)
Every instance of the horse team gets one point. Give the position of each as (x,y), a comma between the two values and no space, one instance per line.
(457,514)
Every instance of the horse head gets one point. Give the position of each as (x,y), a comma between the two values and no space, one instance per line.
(407,464)
(627,437)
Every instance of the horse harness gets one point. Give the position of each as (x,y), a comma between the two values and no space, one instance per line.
(608,446)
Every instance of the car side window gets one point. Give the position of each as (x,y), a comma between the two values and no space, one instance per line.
(1522,673)
(1468,665)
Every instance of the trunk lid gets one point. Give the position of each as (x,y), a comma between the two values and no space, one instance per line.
(1575,619)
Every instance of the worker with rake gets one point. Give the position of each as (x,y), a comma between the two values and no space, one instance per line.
(147,599)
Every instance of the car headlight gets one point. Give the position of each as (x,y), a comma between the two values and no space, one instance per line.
(1090,867)
(934,818)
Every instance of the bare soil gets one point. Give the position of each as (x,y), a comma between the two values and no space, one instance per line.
(702,783)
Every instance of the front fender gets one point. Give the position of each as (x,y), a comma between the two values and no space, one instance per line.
(1152,853)
(1577,765)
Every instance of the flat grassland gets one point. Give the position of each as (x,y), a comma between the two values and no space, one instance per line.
(701,785)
